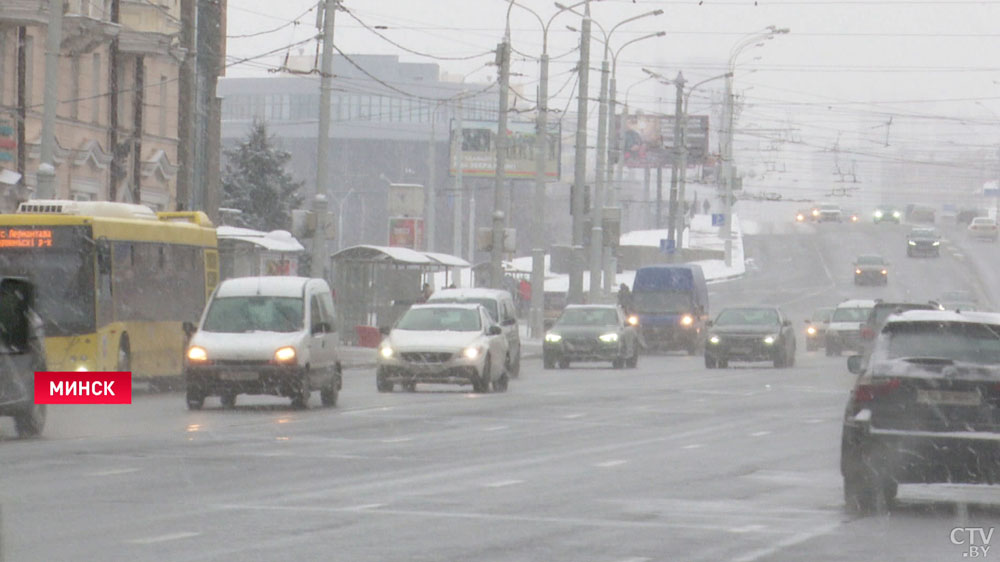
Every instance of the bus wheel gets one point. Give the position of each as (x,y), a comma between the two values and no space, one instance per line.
(124,354)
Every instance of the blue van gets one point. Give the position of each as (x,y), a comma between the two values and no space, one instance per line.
(671,302)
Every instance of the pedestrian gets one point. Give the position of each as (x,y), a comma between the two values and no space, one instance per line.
(625,298)
(706,206)
(426,293)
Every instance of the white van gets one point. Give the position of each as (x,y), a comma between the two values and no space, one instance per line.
(500,305)
(265,335)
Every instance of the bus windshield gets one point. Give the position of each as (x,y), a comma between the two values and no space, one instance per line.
(64,281)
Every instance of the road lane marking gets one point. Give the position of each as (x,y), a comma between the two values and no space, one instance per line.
(113,472)
(793,540)
(693,446)
(573,416)
(503,483)
(609,464)
(365,506)
(397,440)
(760,433)
(748,529)
(497,428)
(164,538)
(635,559)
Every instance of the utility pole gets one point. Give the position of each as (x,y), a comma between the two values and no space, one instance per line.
(597,202)
(456,206)
(727,169)
(320,207)
(678,110)
(430,192)
(538,251)
(575,294)
(496,250)
(46,174)
(186,105)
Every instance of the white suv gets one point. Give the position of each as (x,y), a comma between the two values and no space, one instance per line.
(500,305)
(844,330)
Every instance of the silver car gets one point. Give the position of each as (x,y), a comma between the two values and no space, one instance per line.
(444,344)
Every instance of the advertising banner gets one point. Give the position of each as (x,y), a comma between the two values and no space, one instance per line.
(479,150)
(406,232)
(649,140)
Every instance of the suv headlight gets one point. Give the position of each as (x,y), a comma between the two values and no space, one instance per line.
(936,243)
(878,214)
(609,338)
(553,338)
(911,242)
(471,352)
(386,352)
(811,330)
(770,340)
(687,320)
(713,339)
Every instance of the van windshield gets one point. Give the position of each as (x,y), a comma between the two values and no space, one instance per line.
(661,302)
(253,314)
(489,304)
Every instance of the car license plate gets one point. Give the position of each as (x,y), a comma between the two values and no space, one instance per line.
(238,376)
(949,397)
(740,350)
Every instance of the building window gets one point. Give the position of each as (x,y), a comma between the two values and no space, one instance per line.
(29,71)
(163,106)
(3,75)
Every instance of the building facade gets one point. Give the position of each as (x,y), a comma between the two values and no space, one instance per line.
(116,131)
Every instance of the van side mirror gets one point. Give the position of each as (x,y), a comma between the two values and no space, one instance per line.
(15,319)
(494,330)
(510,321)
(786,322)
(189,329)
(709,323)
(547,324)
(854,364)
(384,330)
(321,327)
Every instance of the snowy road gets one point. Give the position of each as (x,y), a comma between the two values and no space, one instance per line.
(665,462)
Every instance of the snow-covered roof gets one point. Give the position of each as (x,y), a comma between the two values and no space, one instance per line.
(447,259)
(276,240)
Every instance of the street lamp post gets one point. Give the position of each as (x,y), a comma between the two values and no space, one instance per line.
(536,315)
(767,33)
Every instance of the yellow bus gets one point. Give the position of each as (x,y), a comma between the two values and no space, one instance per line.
(116,282)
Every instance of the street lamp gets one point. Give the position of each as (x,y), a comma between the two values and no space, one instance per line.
(755,38)
(536,315)
(598,200)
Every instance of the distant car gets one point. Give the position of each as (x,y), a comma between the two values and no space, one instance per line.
(500,305)
(871,269)
(959,299)
(924,409)
(591,332)
(829,213)
(750,334)
(844,331)
(887,213)
(22,346)
(816,328)
(965,216)
(983,228)
(803,216)
(921,213)
(265,335)
(443,343)
(852,216)
(923,241)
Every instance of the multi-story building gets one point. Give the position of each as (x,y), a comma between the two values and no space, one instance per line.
(116,128)
(386,118)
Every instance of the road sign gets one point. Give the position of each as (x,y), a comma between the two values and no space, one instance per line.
(718,219)
(667,246)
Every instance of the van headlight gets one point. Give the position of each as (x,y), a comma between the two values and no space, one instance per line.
(878,214)
(687,320)
(895,214)
(769,340)
(633,320)
(609,338)
(911,243)
(386,352)
(553,338)
(935,243)
(471,352)
(811,330)
(197,354)
(714,340)
(285,354)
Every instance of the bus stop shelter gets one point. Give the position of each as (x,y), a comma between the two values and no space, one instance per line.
(375,285)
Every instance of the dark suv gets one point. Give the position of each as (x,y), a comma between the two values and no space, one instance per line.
(925,408)
(23,350)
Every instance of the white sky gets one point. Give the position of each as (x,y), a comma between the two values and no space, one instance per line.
(846,65)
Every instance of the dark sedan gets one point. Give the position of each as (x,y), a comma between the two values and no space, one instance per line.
(925,409)
(887,213)
(871,270)
(593,332)
(750,334)
(923,242)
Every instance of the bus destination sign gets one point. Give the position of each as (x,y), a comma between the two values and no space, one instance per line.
(14,237)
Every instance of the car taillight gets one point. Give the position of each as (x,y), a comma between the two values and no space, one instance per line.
(869,392)
(867,333)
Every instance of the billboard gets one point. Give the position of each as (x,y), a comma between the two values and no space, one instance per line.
(479,150)
(406,200)
(649,140)
(406,232)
